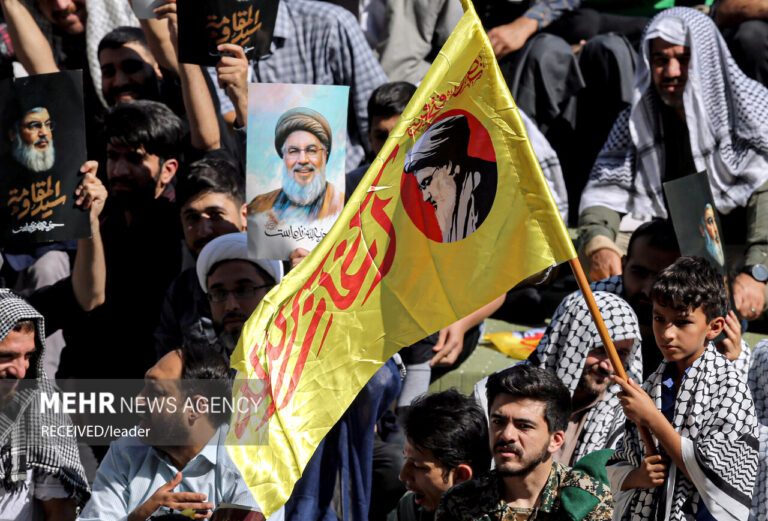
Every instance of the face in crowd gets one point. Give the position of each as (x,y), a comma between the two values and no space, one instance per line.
(427,477)
(641,265)
(520,437)
(67,15)
(129,73)
(235,288)
(305,159)
(209,215)
(16,352)
(135,175)
(669,70)
(596,376)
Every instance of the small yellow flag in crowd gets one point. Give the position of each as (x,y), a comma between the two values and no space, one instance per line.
(452,213)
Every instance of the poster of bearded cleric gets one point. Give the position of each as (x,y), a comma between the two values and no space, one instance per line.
(696,223)
(295,165)
(42,149)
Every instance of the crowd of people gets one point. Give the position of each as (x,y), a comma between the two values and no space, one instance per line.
(617,98)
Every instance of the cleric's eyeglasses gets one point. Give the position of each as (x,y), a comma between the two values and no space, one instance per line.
(37,125)
(311,151)
(218,295)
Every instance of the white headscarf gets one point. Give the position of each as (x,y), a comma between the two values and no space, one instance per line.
(726,114)
(232,246)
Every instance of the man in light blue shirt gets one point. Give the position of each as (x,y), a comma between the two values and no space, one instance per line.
(184,463)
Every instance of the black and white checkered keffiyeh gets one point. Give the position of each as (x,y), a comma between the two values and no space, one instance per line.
(758,384)
(563,350)
(714,414)
(22,445)
(727,117)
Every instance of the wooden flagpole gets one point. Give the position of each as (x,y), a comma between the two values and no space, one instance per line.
(581,280)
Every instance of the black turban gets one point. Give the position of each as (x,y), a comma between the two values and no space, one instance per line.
(444,141)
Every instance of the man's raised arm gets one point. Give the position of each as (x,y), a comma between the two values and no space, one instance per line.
(31,47)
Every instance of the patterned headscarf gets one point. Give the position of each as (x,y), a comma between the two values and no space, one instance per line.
(758,384)
(727,117)
(563,350)
(22,445)
(714,411)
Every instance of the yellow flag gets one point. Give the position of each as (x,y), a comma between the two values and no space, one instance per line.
(452,213)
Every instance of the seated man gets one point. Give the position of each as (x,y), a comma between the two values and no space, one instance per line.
(573,350)
(39,479)
(182,462)
(446,443)
(234,284)
(211,200)
(529,409)
(680,127)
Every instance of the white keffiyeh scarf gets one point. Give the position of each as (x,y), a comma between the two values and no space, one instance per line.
(563,350)
(727,117)
(716,419)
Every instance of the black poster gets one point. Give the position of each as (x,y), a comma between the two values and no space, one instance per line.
(203,25)
(42,149)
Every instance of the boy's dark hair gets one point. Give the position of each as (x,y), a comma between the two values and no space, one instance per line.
(453,427)
(390,99)
(534,383)
(205,372)
(210,176)
(690,283)
(145,123)
(660,233)
(119,36)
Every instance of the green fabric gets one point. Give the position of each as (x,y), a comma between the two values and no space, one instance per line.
(576,502)
(597,220)
(757,227)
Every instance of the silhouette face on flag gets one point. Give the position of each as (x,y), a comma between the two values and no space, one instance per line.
(456,188)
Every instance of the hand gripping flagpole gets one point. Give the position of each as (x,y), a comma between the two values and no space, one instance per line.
(610,349)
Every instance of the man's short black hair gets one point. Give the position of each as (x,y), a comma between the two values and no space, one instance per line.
(660,233)
(453,427)
(119,36)
(205,371)
(390,99)
(690,283)
(210,175)
(150,124)
(523,381)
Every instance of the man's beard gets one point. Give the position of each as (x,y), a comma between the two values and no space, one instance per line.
(304,195)
(588,387)
(714,249)
(524,471)
(30,157)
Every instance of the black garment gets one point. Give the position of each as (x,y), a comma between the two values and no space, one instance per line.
(186,314)
(142,259)
(678,159)
(387,488)
(607,64)
(584,24)
(748,43)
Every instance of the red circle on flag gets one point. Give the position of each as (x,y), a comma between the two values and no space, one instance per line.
(449,177)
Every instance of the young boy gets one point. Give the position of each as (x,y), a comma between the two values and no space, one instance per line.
(697,407)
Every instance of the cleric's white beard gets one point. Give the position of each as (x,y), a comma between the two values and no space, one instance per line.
(304,195)
(30,157)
